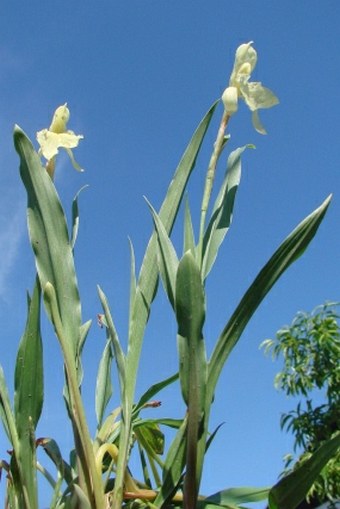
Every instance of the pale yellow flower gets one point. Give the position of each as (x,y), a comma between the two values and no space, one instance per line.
(255,95)
(57,136)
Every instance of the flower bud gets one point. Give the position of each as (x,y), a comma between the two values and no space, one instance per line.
(230,100)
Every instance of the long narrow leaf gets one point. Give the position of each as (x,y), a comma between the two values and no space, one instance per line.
(104,384)
(148,275)
(293,488)
(6,413)
(28,395)
(146,289)
(164,421)
(83,501)
(75,217)
(18,492)
(49,237)
(82,437)
(150,437)
(152,391)
(291,249)
(133,281)
(83,333)
(109,430)
(118,351)
(189,236)
(52,450)
(190,315)
(222,213)
(173,467)
(236,496)
(28,385)
(167,257)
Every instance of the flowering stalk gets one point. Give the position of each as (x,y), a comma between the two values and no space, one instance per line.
(256,96)
(209,181)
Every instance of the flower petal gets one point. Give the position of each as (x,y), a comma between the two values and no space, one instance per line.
(257,123)
(256,96)
(69,139)
(73,161)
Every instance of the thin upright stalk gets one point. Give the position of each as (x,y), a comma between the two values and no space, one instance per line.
(209,181)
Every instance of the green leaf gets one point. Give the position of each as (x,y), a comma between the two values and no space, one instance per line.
(190,315)
(6,412)
(148,276)
(147,285)
(212,436)
(84,330)
(104,384)
(152,391)
(83,441)
(49,237)
(133,281)
(164,421)
(75,217)
(52,450)
(17,489)
(173,467)
(236,496)
(293,488)
(118,351)
(150,437)
(28,382)
(289,251)
(222,213)
(29,394)
(150,441)
(167,258)
(83,501)
(189,236)
(109,430)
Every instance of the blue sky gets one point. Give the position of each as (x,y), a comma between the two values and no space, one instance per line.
(138,75)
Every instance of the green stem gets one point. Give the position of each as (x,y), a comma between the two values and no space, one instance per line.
(218,147)
(190,480)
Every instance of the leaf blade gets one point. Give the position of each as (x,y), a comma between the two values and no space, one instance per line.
(222,213)
(293,488)
(49,237)
(290,249)
(104,385)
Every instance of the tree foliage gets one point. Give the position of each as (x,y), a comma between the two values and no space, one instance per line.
(310,349)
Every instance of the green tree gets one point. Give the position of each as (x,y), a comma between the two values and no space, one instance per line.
(310,349)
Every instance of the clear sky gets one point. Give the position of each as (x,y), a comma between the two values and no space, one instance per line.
(138,75)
